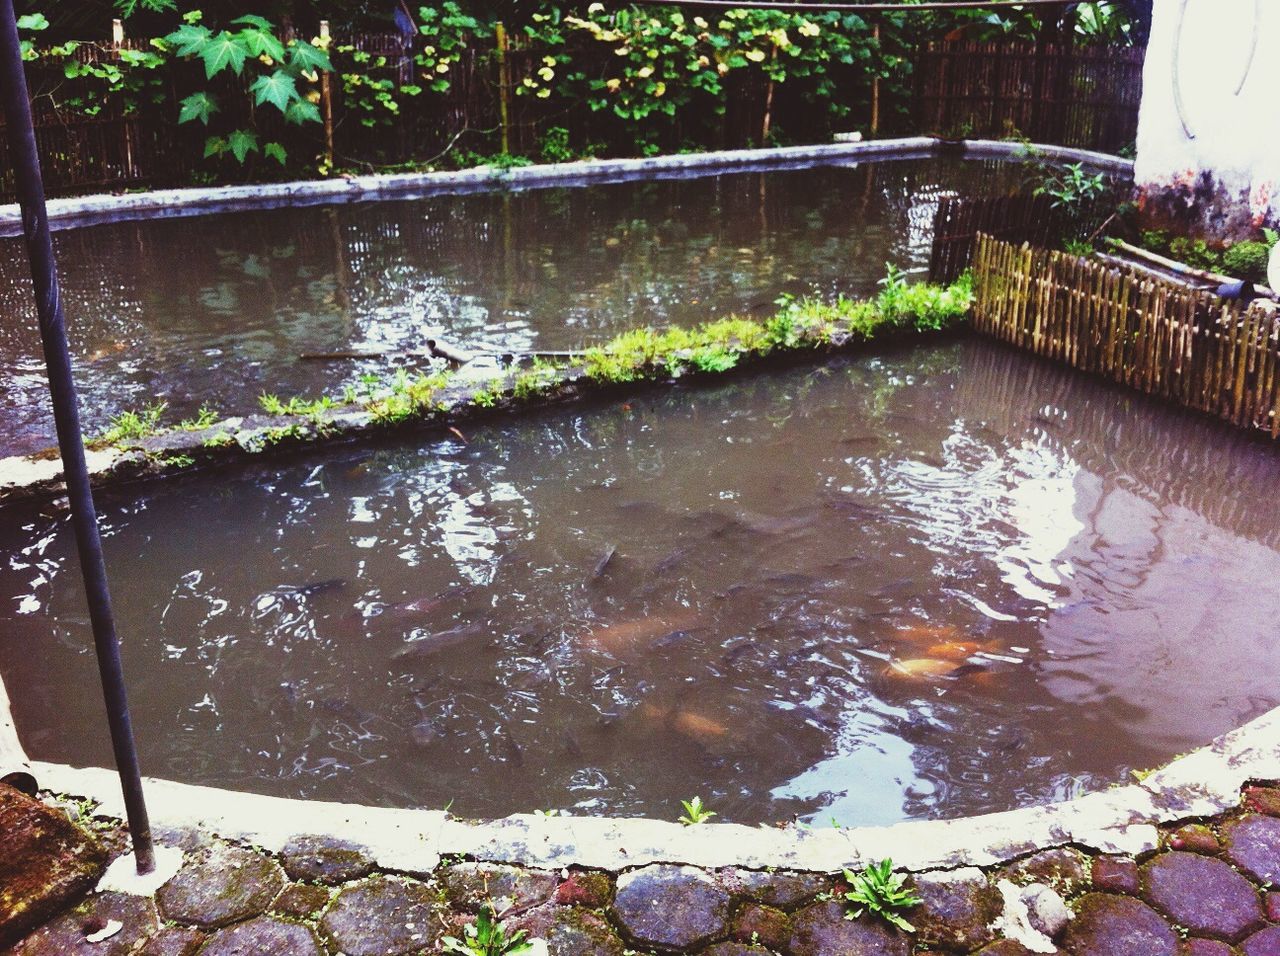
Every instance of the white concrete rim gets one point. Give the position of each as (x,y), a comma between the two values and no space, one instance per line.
(170,203)
(1123,819)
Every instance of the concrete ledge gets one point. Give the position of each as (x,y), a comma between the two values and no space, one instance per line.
(169,203)
(239,440)
(1122,820)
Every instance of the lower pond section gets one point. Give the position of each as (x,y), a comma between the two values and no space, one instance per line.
(936,582)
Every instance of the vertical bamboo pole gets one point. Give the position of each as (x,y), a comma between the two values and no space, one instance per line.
(504,87)
(875,83)
(326,99)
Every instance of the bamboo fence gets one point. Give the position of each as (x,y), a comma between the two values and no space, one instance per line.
(1160,337)
(1092,104)
(1072,95)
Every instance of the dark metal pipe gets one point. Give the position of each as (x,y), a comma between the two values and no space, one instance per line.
(66,412)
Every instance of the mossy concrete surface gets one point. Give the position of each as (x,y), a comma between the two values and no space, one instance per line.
(481,391)
(46,861)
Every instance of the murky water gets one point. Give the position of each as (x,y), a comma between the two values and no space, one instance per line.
(931,583)
(218,308)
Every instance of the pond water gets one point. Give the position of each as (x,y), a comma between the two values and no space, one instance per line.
(217,309)
(930,583)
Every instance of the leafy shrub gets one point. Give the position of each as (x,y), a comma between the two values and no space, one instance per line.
(1247,260)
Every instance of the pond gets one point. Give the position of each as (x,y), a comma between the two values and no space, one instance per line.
(217,309)
(934,582)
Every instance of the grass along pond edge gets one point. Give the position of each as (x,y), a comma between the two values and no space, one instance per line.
(138,446)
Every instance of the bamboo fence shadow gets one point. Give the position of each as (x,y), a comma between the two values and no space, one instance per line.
(1180,344)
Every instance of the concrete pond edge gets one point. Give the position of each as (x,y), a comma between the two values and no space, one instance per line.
(1121,820)
(169,203)
(241,440)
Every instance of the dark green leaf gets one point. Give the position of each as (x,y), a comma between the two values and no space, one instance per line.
(222,51)
(301,111)
(189,38)
(242,142)
(278,88)
(197,106)
(304,56)
(276,152)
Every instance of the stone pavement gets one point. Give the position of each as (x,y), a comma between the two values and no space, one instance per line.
(1208,891)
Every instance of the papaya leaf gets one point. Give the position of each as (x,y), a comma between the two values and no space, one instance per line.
(242,142)
(220,52)
(301,111)
(252,20)
(304,56)
(198,106)
(189,38)
(278,88)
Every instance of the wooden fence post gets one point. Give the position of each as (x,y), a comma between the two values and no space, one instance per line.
(117,33)
(326,99)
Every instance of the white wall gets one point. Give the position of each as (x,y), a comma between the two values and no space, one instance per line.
(1209,131)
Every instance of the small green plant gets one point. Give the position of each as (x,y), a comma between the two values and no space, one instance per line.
(131,425)
(533,381)
(486,397)
(713,358)
(880,891)
(488,937)
(204,418)
(1078,247)
(555,145)
(1070,187)
(695,812)
(892,288)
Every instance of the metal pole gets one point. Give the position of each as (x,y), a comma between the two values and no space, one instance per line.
(66,413)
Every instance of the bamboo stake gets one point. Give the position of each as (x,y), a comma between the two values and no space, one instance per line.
(504,87)
(326,99)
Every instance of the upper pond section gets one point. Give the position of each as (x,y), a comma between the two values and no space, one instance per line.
(217,309)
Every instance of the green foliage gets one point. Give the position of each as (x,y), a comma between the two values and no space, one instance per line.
(1247,260)
(133,425)
(554,147)
(127,8)
(719,346)
(880,891)
(695,812)
(205,418)
(274,73)
(1078,247)
(405,396)
(533,381)
(488,937)
(1070,187)
(1194,252)
(274,405)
